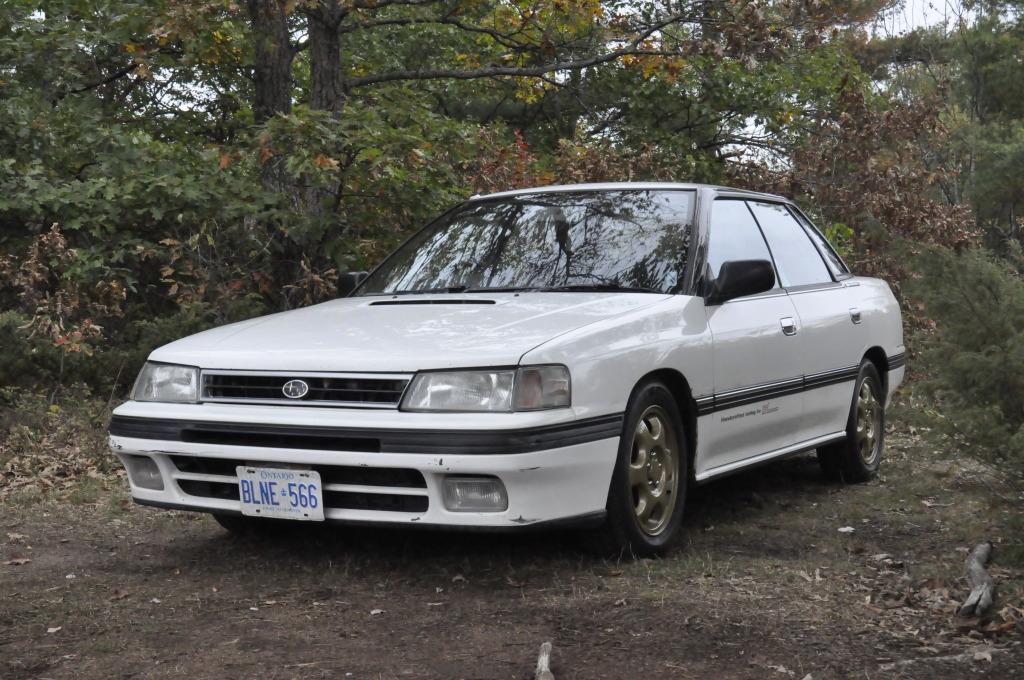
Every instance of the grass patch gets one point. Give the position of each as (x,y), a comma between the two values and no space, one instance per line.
(25,497)
(87,491)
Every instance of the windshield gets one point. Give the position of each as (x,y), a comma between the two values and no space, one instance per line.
(609,240)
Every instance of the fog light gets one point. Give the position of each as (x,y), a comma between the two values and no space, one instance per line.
(475,494)
(144,472)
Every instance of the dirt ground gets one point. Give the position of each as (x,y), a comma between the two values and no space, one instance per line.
(763,584)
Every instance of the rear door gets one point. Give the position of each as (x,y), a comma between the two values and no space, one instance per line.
(831,339)
(757,404)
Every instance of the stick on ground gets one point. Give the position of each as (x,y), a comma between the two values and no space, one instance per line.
(982,585)
(543,671)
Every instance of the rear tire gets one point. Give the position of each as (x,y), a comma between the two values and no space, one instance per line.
(648,487)
(858,457)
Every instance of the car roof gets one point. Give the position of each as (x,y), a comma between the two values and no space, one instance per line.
(621,186)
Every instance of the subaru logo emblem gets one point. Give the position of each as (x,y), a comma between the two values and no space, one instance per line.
(295,389)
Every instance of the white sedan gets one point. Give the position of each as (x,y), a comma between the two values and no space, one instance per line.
(570,355)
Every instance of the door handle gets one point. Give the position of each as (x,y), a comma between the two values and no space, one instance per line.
(788,325)
(854,315)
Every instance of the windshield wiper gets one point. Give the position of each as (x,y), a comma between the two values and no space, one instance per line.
(569,288)
(501,289)
(598,287)
(419,291)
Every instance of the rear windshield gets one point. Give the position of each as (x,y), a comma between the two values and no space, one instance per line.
(548,241)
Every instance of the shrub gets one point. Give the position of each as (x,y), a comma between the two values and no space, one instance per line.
(975,356)
(48,446)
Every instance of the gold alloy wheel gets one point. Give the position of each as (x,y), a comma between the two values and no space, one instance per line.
(654,470)
(869,423)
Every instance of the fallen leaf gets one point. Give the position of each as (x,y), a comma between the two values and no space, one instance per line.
(56,629)
(156,600)
(846,530)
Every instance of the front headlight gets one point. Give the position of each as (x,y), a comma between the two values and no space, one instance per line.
(529,388)
(167,382)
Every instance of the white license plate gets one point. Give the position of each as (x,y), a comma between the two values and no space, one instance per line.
(280,493)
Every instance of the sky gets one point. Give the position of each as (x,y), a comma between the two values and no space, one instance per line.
(918,14)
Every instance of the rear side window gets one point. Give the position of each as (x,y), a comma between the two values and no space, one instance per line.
(734,235)
(797,259)
(831,258)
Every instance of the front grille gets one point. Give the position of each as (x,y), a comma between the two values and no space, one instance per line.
(329,474)
(335,479)
(364,390)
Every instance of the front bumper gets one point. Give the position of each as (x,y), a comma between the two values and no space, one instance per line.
(551,472)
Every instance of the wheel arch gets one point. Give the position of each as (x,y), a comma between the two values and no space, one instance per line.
(876,355)
(678,385)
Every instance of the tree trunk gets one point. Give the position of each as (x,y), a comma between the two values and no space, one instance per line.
(327,85)
(326,93)
(272,64)
(272,94)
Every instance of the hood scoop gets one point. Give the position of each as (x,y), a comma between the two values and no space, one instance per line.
(434,301)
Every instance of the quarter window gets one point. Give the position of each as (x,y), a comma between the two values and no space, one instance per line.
(797,259)
(734,235)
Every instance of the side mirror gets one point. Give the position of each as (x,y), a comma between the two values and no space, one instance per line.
(738,278)
(349,281)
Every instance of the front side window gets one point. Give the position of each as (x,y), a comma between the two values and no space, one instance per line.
(734,235)
(548,241)
(797,259)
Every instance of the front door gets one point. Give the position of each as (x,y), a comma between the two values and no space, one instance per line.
(757,404)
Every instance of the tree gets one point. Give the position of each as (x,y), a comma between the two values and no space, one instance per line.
(216,158)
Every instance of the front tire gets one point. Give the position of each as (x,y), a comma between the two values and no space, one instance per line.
(858,457)
(648,488)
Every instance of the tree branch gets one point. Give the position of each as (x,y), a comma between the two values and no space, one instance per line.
(504,39)
(119,73)
(633,48)
(501,71)
(381,4)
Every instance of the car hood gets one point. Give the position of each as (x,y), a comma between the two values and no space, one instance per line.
(401,334)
